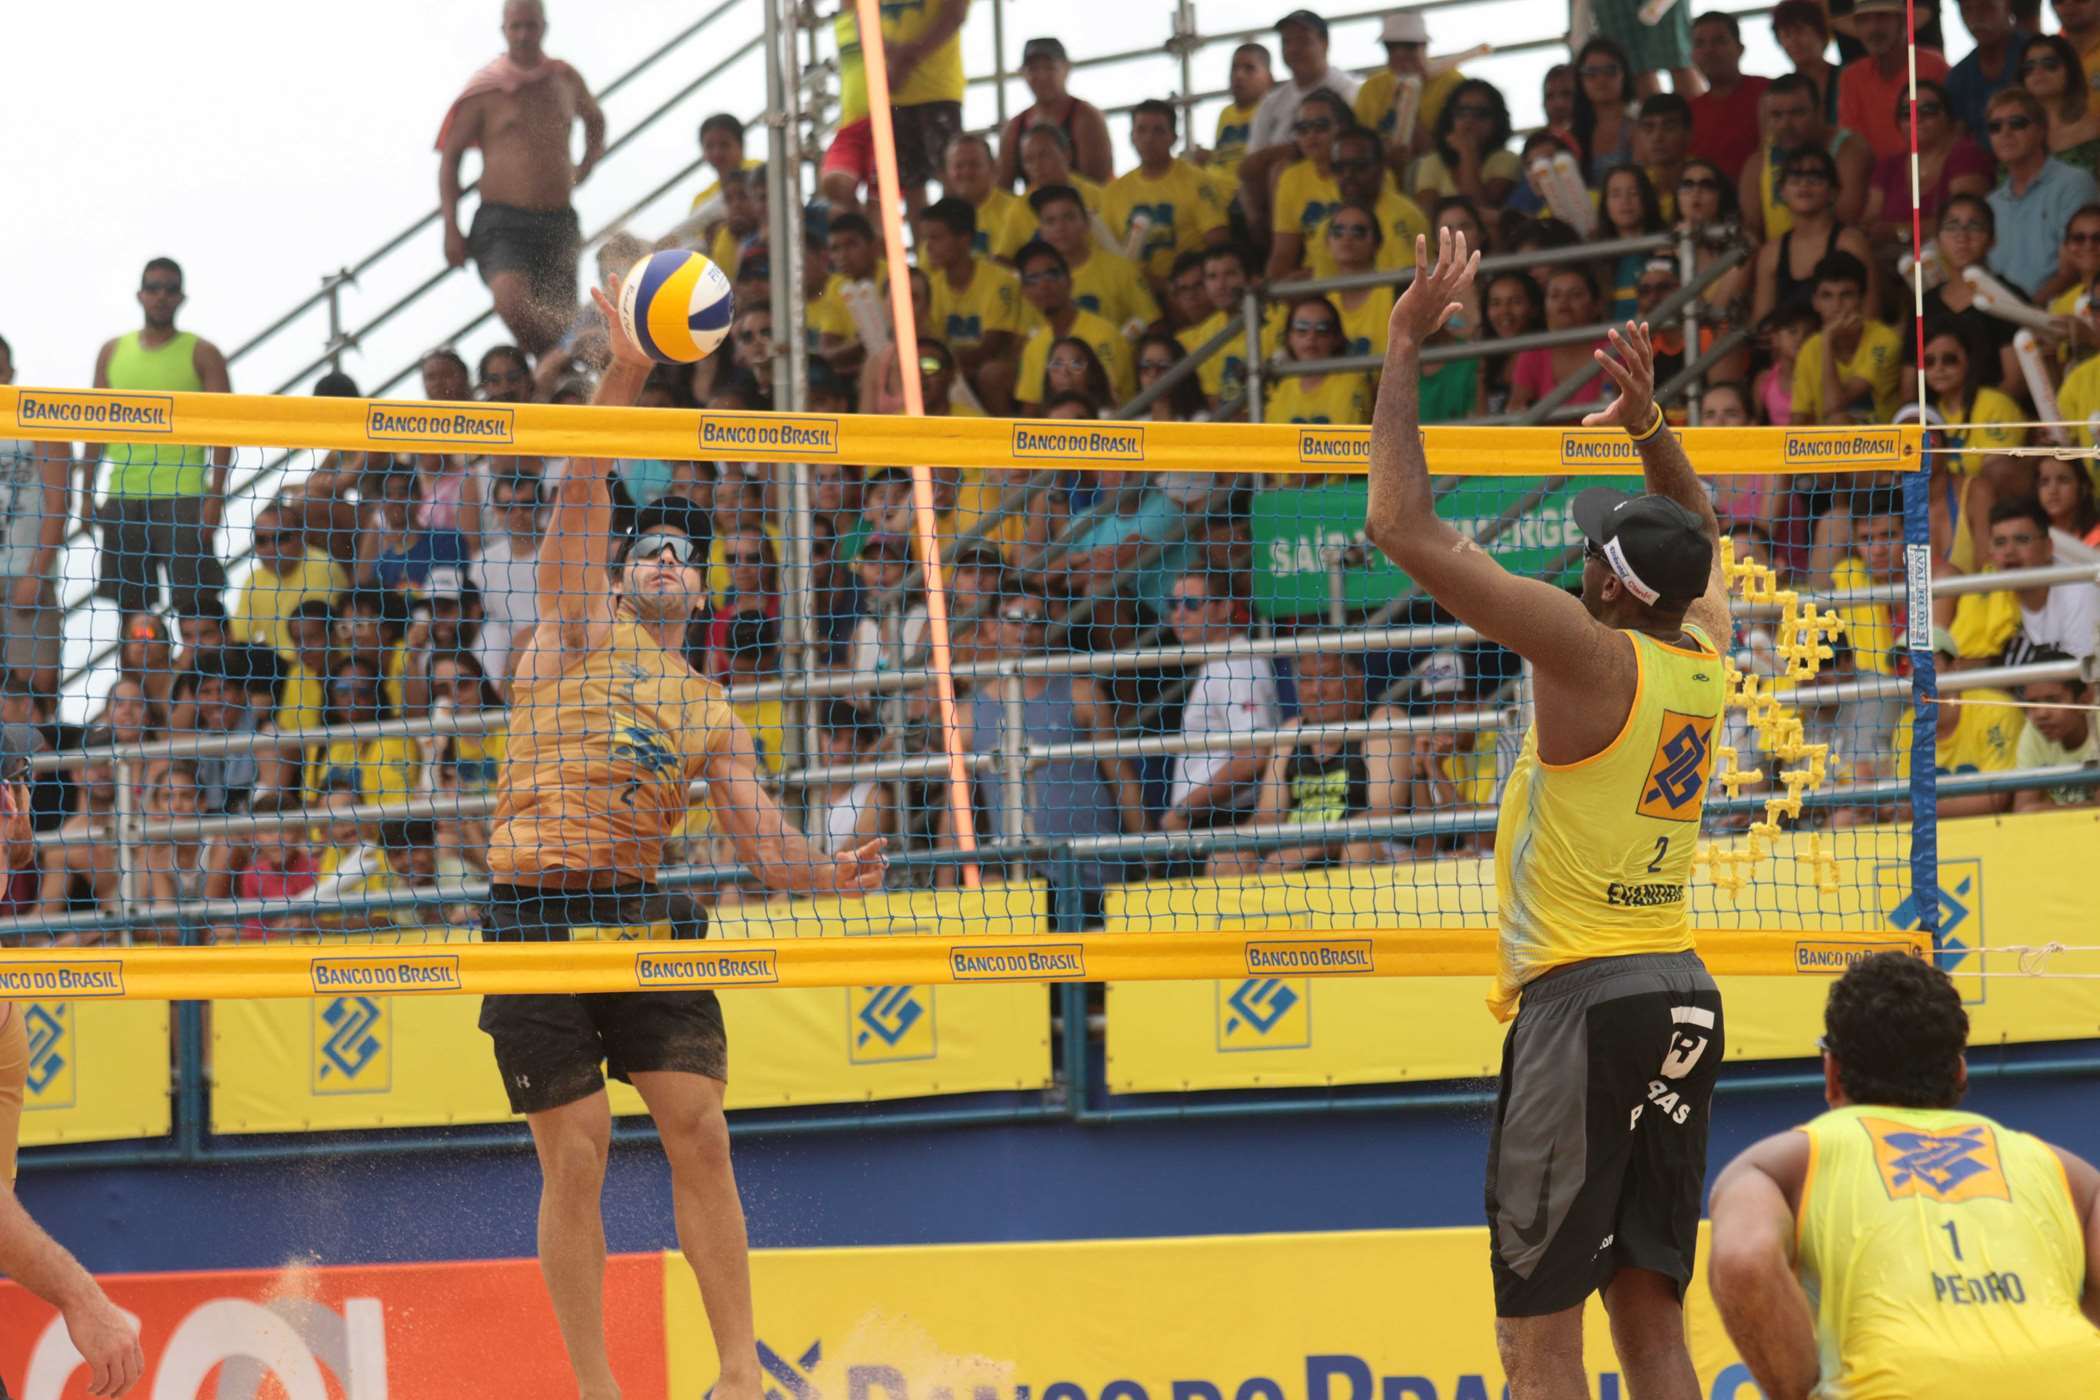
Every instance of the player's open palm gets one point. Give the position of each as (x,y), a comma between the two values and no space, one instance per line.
(1434,296)
(624,350)
(1631,364)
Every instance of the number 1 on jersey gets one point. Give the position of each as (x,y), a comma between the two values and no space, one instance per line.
(1952,1238)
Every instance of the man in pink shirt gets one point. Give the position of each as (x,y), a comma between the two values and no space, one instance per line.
(1868,87)
(1724,117)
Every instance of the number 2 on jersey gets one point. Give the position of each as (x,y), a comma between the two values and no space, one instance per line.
(1662,849)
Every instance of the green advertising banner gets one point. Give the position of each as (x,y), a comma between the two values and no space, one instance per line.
(1298,532)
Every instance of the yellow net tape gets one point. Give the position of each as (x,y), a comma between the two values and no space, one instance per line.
(548,430)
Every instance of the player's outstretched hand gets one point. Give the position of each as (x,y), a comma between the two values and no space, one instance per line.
(108,1343)
(861,869)
(1631,364)
(1432,298)
(624,350)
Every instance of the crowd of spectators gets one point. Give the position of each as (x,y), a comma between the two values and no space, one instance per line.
(1056,274)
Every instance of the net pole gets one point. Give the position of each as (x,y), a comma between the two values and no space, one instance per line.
(1917,548)
(906,343)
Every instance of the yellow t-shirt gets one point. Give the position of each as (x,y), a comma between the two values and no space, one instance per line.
(1335,398)
(938,77)
(1108,285)
(1365,327)
(721,251)
(1868,626)
(1184,206)
(267,600)
(2078,399)
(767,721)
(1986,733)
(1004,223)
(1472,769)
(1304,199)
(477,760)
(304,699)
(1107,343)
(964,316)
(1429,175)
(384,770)
(1944,1257)
(1983,623)
(1089,195)
(1990,409)
(980,495)
(1878,359)
(1228,144)
(750,163)
(1400,220)
(1592,859)
(1375,105)
(1222,374)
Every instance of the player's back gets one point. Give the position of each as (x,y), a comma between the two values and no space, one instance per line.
(1592,859)
(1944,1257)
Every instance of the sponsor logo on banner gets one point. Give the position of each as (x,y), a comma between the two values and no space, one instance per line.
(48,979)
(125,413)
(402,972)
(1844,447)
(1265,1013)
(1834,955)
(886,1025)
(765,432)
(1591,449)
(1317,956)
(1677,769)
(1078,442)
(1021,962)
(1334,447)
(1960,940)
(468,426)
(54,1055)
(353,1049)
(708,967)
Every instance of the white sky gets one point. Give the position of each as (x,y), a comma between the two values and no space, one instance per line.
(261,143)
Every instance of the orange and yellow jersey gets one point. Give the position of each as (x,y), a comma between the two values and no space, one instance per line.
(600,761)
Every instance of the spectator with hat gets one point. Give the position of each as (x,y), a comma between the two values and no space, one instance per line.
(1868,88)
(1406,40)
(1045,68)
(1270,144)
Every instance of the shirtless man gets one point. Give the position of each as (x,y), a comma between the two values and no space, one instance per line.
(80,872)
(525,237)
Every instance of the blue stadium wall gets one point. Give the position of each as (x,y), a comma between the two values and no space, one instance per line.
(1041,1180)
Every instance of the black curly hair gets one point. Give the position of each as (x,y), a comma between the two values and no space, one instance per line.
(1896,1028)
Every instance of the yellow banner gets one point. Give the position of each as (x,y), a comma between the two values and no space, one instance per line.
(98,1071)
(2003,881)
(363,1059)
(358,425)
(1371,1315)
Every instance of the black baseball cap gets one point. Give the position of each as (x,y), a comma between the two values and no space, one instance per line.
(1307,18)
(1044,48)
(1653,545)
(18,744)
(677,513)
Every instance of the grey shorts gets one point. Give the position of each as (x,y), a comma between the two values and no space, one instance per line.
(544,244)
(1598,1159)
(146,536)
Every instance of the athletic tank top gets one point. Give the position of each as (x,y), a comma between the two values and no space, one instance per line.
(1326,789)
(1943,1257)
(600,758)
(1786,287)
(152,469)
(1592,858)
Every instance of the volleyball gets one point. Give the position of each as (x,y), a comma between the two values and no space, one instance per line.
(676,306)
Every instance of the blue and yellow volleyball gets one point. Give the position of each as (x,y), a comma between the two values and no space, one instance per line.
(676,306)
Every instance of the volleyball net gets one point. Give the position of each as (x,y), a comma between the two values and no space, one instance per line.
(1198,726)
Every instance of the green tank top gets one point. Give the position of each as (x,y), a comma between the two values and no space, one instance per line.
(154,469)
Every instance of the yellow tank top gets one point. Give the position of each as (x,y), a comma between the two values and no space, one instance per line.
(1592,858)
(600,759)
(1943,1256)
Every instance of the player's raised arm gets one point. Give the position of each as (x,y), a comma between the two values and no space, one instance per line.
(578,545)
(1534,619)
(1667,470)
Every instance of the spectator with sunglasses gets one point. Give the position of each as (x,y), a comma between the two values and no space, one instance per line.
(1706,205)
(1157,353)
(1302,37)
(1046,285)
(286,574)
(1306,192)
(1353,243)
(2051,71)
(1794,124)
(1949,163)
(1469,153)
(1604,96)
(1314,332)
(2034,203)
(1360,178)
(1786,266)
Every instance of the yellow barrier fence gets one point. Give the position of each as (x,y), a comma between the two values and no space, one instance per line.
(549,430)
(99,1071)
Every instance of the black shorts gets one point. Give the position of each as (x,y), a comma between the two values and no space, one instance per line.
(144,537)
(1598,1160)
(544,244)
(555,1049)
(924,131)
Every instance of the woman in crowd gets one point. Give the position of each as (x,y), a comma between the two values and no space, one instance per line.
(395,549)
(1737,499)
(1158,352)
(1786,268)
(1470,155)
(1514,307)
(1306,193)
(1571,301)
(173,869)
(1074,368)
(1603,124)
(1314,332)
(2052,70)
(1707,209)
(1968,228)
(2065,490)
(1631,209)
(753,591)
(848,814)
(1353,238)
(1950,162)
(146,655)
